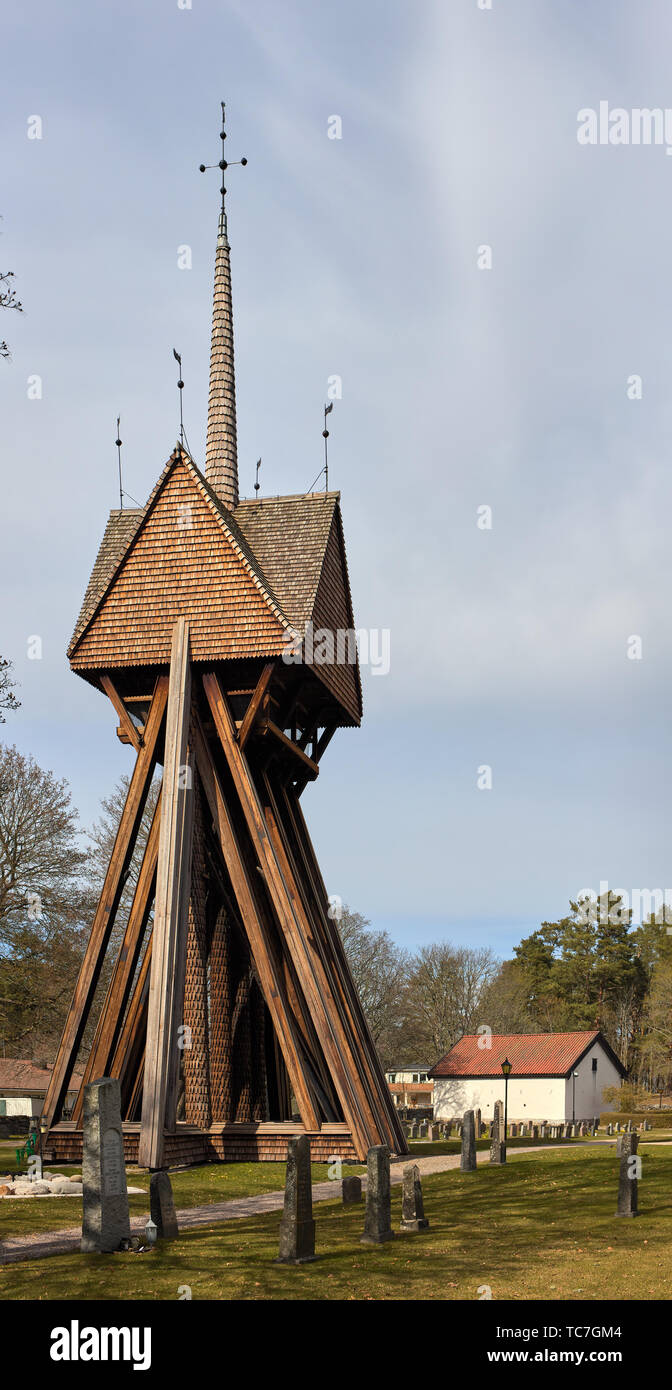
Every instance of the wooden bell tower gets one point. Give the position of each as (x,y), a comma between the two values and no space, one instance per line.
(230,1017)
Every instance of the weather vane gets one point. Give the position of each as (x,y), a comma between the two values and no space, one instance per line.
(257,484)
(223,165)
(325,435)
(180,387)
(118,444)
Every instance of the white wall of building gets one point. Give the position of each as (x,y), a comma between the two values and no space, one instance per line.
(590,1084)
(530,1098)
(23,1105)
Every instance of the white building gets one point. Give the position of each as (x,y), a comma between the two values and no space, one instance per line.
(558,1077)
(410,1086)
(23,1086)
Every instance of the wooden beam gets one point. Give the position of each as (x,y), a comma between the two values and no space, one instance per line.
(309,768)
(103,921)
(347,1042)
(112,1013)
(325,738)
(130,1046)
(255,703)
(318,904)
(166,991)
(125,721)
(262,952)
(306,959)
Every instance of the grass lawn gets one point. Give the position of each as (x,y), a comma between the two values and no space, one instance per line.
(543,1226)
(214,1182)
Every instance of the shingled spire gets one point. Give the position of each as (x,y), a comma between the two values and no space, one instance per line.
(221,449)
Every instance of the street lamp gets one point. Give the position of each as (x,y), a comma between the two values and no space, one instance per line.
(574,1076)
(506,1068)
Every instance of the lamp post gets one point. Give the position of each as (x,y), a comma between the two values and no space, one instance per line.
(506,1068)
(574,1076)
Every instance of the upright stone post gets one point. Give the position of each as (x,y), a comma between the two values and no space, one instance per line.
(162,1206)
(468,1154)
(297,1228)
(627,1177)
(105,1219)
(377,1219)
(412,1208)
(497,1143)
(477,1124)
(351,1191)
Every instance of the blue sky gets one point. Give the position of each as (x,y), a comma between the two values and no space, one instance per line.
(461,387)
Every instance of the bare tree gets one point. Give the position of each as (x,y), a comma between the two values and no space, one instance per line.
(380,971)
(8,300)
(445,995)
(44,903)
(8,699)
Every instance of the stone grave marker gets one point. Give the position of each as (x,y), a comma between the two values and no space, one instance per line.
(412,1209)
(377,1219)
(627,1176)
(351,1190)
(468,1154)
(162,1206)
(497,1142)
(105,1218)
(297,1228)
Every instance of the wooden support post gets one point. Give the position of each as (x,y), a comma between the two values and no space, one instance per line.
(305,765)
(269,974)
(166,992)
(310,875)
(254,706)
(112,1013)
(125,722)
(306,960)
(130,1047)
(107,907)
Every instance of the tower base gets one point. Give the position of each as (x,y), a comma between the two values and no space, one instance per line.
(221,1143)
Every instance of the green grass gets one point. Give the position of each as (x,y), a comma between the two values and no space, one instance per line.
(215,1182)
(542,1226)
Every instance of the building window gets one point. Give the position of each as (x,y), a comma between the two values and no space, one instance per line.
(594,1063)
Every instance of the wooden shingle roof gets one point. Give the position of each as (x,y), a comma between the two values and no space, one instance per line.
(247,579)
(289,537)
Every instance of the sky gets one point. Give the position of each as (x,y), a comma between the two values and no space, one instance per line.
(463,387)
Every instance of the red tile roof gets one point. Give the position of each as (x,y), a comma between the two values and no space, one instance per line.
(25,1077)
(530,1054)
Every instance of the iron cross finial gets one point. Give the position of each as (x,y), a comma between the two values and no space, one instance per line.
(223,165)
